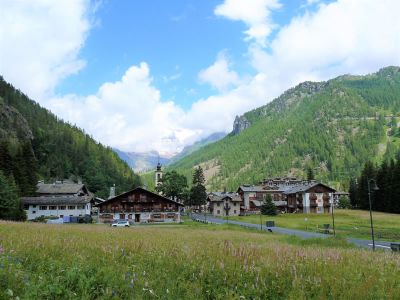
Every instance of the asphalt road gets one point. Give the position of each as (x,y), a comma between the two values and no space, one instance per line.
(300,233)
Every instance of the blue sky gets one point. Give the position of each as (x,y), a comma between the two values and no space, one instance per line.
(176,39)
(160,75)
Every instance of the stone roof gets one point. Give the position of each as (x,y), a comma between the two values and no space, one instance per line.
(59,188)
(55,200)
(220,196)
(305,187)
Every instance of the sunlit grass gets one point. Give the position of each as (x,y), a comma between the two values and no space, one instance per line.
(192,261)
(348,223)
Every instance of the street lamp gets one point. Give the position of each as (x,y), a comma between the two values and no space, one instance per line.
(333,217)
(227,208)
(374,188)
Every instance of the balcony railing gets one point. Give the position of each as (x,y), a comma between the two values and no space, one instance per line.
(104,211)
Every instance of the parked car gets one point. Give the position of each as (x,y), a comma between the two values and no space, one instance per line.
(123,223)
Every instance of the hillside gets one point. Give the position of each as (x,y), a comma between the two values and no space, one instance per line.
(35,145)
(333,127)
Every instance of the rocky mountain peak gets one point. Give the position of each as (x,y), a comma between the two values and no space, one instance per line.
(240,124)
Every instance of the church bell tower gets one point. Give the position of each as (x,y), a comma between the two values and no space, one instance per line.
(158,174)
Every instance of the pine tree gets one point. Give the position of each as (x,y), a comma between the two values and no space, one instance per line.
(268,207)
(310,174)
(10,205)
(198,194)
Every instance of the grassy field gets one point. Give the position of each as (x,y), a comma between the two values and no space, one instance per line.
(39,261)
(348,223)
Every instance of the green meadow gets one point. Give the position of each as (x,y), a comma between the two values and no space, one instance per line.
(348,223)
(192,261)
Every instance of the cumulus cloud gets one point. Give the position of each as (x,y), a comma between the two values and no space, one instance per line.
(218,74)
(346,36)
(127,114)
(40,42)
(255,13)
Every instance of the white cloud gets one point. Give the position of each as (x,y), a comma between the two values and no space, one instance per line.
(127,114)
(40,42)
(218,75)
(347,36)
(255,13)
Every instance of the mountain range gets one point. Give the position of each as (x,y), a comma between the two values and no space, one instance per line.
(331,127)
(147,161)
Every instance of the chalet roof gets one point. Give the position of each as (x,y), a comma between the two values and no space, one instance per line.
(220,196)
(251,188)
(305,187)
(264,188)
(139,189)
(55,200)
(59,188)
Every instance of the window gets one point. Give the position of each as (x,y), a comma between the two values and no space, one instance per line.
(80,207)
(71,206)
(218,211)
(217,203)
(62,207)
(234,204)
(43,207)
(34,211)
(234,211)
(34,206)
(51,207)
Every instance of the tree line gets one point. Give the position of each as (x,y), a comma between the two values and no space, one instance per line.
(386,178)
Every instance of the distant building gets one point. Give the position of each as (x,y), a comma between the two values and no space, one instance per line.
(141,206)
(224,204)
(281,190)
(59,199)
(310,198)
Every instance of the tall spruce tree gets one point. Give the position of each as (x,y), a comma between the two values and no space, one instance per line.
(10,205)
(198,194)
(268,207)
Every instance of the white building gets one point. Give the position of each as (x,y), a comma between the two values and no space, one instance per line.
(58,200)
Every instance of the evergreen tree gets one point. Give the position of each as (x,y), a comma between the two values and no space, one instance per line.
(268,207)
(10,205)
(310,174)
(353,193)
(198,194)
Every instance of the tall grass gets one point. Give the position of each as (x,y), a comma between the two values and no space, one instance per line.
(39,261)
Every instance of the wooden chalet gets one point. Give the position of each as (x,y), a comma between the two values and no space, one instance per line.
(140,206)
(310,198)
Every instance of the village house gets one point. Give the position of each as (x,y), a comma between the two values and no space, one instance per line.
(140,206)
(311,197)
(59,199)
(224,204)
(281,189)
(253,196)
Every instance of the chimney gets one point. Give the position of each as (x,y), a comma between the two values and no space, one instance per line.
(112,192)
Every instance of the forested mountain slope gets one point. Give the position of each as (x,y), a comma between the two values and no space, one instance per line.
(333,127)
(34,145)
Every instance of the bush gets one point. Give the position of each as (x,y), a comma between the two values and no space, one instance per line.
(344,202)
